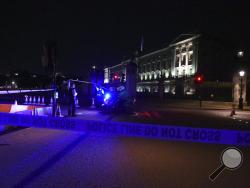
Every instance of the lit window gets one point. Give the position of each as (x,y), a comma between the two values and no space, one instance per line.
(155,75)
(192,71)
(190,58)
(166,89)
(141,76)
(190,47)
(106,80)
(150,76)
(166,74)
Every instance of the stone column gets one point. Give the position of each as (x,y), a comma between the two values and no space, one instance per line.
(131,74)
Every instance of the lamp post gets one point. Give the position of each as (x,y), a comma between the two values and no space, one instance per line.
(241,73)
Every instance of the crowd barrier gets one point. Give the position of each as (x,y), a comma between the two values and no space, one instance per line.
(23,109)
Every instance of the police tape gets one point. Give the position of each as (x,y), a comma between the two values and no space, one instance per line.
(163,132)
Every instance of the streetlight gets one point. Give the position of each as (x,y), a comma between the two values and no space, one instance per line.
(241,73)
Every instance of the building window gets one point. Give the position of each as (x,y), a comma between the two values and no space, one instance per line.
(139,89)
(192,71)
(173,90)
(190,58)
(149,67)
(158,65)
(106,75)
(183,60)
(184,49)
(155,75)
(177,51)
(140,69)
(177,61)
(147,89)
(190,47)
(166,74)
(166,89)
(155,89)
(162,71)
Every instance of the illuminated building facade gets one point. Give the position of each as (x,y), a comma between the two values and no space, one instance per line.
(171,70)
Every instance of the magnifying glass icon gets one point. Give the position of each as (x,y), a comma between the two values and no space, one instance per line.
(231,159)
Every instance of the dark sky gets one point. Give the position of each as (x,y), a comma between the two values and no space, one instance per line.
(101,33)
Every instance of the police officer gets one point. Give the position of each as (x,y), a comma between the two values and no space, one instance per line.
(71,99)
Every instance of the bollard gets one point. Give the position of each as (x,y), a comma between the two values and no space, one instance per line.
(43,101)
(58,111)
(93,103)
(34,100)
(30,100)
(51,101)
(77,103)
(38,100)
(26,100)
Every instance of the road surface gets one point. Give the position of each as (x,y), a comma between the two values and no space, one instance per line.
(41,158)
(52,158)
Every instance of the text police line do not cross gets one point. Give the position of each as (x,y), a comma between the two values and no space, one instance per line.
(163,132)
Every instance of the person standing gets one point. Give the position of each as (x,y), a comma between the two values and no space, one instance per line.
(71,100)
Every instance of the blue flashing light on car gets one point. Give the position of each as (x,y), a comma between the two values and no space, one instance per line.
(107,96)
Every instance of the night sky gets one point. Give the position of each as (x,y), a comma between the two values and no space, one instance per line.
(105,33)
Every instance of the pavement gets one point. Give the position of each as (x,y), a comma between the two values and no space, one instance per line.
(189,104)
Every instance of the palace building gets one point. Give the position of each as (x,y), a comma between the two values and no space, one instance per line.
(172,70)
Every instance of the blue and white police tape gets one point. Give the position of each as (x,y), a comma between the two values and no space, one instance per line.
(163,132)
